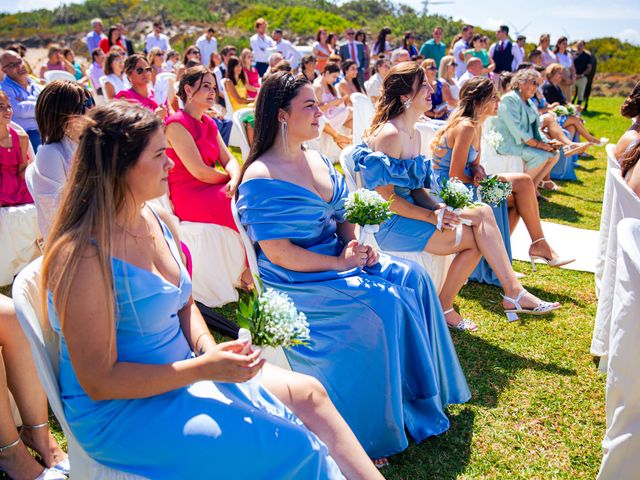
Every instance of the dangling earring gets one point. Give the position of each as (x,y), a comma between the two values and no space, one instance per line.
(284,132)
(407,104)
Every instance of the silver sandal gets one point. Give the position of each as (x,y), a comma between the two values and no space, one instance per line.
(464,325)
(541,309)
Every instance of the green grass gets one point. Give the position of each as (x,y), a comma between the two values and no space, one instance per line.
(537,410)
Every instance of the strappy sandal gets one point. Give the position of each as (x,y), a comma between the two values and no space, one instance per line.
(381,463)
(463,325)
(554,187)
(47,473)
(541,309)
(63,467)
(552,262)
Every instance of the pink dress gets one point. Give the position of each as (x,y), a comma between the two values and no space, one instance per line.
(194,200)
(133,96)
(253,79)
(13,189)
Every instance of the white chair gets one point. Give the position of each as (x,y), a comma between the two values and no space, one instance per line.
(238,125)
(217,257)
(103,82)
(495,163)
(275,356)
(363,113)
(51,75)
(234,137)
(44,346)
(161,89)
(436,265)
(427,134)
(624,204)
(605,217)
(621,443)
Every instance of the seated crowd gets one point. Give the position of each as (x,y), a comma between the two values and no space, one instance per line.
(146,388)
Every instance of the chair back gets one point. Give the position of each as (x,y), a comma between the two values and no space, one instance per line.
(238,124)
(605,217)
(51,75)
(161,88)
(249,248)
(427,134)
(103,83)
(363,113)
(227,100)
(353,178)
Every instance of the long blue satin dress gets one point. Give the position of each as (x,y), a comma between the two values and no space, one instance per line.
(440,167)
(205,430)
(379,341)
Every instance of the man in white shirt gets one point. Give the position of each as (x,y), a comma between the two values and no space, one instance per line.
(220,71)
(460,47)
(262,46)
(474,69)
(287,50)
(158,39)
(207,44)
(518,52)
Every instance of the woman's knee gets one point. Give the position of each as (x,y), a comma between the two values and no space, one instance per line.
(308,393)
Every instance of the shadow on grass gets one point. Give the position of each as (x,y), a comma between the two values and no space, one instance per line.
(550,210)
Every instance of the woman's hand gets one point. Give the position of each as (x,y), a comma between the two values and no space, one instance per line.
(478,173)
(231,362)
(161,112)
(353,255)
(450,219)
(546,147)
(232,185)
(372,255)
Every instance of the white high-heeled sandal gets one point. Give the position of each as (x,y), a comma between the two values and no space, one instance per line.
(541,309)
(47,473)
(63,467)
(464,324)
(552,262)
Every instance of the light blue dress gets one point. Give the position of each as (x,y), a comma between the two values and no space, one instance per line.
(205,430)
(440,167)
(379,341)
(398,234)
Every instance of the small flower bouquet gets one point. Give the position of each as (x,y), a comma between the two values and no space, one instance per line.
(270,319)
(456,196)
(367,209)
(493,191)
(571,109)
(561,111)
(494,139)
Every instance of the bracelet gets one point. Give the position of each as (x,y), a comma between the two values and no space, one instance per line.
(195,345)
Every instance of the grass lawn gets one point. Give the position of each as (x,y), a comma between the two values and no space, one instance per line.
(537,410)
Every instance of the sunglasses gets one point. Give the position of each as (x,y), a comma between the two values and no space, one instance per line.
(141,70)
(350,34)
(432,68)
(13,64)
(454,64)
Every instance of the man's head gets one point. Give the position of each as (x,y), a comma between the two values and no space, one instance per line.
(277,35)
(210,33)
(535,57)
(467,32)
(158,28)
(13,66)
(521,40)
(275,58)
(580,46)
(261,26)
(350,33)
(226,52)
(400,55)
(437,34)
(97,25)
(503,33)
(474,66)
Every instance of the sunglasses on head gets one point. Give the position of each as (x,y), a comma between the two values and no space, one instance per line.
(141,70)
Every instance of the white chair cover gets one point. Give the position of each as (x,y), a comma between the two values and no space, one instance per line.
(605,218)
(427,132)
(436,265)
(239,127)
(161,89)
(275,356)
(103,82)
(621,444)
(234,137)
(51,75)
(363,113)
(44,346)
(495,163)
(624,204)
(217,257)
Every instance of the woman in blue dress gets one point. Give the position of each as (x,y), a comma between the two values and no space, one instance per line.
(457,154)
(391,163)
(379,342)
(145,388)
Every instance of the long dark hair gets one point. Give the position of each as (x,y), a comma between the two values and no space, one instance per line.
(556,49)
(276,93)
(631,106)
(629,158)
(382,36)
(232,63)
(110,32)
(331,67)
(193,76)
(355,80)
(405,40)
(189,51)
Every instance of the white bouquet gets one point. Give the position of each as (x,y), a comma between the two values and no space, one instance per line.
(456,196)
(270,319)
(367,209)
(561,111)
(571,109)
(494,139)
(493,191)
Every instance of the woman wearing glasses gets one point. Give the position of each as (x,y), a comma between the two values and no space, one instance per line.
(138,72)
(191,55)
(447,74)
(439,110)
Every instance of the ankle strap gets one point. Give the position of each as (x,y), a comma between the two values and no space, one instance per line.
(538,240)
(11,445)
(516,301)
(447,312)
(34,427)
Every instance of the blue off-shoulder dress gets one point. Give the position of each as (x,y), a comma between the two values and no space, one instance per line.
(398,234)
(205,430)
(440,167)
(379,341)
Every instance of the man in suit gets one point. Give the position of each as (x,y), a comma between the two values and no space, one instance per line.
(354,50)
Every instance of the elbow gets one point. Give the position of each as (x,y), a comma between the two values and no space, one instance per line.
(97,391)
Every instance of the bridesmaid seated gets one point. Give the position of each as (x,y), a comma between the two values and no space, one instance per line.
(146,389)
(457,154)
(14,158)
(379,341)
(630,109)
(391,164)
(139,72)
(628,165)
(200,192)
(18,374)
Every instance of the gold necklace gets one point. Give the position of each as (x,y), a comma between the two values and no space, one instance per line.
(139,237)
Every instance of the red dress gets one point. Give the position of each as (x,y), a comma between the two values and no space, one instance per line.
(104,45)
(134,97)
(253,79)
(13,189)
(194,200)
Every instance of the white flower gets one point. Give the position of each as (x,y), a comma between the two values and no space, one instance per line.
(283,323)
(494,139)
(561,111)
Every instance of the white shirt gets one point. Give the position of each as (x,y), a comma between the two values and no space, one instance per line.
(207,47)
(161,41)
(118,83)
(454,87)
(373,86)
(518,57)
(460,47)
(289,52)
(565,60)
(464,77)
(260,46)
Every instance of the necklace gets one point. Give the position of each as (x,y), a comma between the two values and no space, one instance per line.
(139,237)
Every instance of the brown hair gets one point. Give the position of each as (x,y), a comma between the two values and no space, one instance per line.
(629,158)
(108,62)
(4,96)
(331,67)
(402,79)
(153,53)
(631,106)
(553,69)
(58,101)
(131,62)
(193,76)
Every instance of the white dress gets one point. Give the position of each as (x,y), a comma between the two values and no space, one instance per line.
(118,83)
(454,88)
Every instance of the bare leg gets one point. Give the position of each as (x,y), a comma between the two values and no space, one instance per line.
(250,133)
(579,126)
(554,130)
(540,172)
(306,397)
